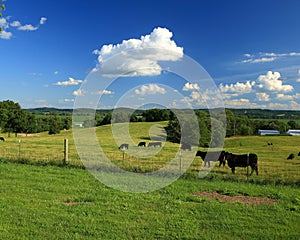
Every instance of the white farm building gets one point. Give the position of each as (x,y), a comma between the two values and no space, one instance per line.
(268,132)
(293,132)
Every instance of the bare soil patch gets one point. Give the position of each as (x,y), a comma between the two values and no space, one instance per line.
(244,199)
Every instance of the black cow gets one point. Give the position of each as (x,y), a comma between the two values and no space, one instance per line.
(2,139)
(243,160)
(154,144)
(212,156)
(124,146)
(298,153)
(291,156)
(186,146)
(142,144)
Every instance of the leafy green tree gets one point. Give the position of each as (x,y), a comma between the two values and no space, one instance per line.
(67,123)
(106,119)
(55,124)
(155,115)
(2,8)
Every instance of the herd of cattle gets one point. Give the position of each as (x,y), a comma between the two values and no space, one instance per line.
(233,160)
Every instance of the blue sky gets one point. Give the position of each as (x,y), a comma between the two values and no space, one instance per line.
(251,49)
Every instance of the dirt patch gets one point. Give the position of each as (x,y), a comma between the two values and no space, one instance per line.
(243,199)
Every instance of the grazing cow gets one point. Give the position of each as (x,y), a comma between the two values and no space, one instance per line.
(2,139)
(124,146)
(186,146)
(212,156)
(291,156)
(142,144)
(243,160)
(154,144)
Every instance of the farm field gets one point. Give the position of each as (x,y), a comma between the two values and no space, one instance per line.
(44,149)
(45,200)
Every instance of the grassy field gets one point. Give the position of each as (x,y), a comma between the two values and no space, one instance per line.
(44,149)
(47,202)
(52,201)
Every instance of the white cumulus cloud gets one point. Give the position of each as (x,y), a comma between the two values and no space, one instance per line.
(5,35)
(70,82)
(79,93)
(139,57)
(43,20)
(282,96)
(190,87)
(237,87)
(271,82)
(27,27)
(150,90)
(263,97)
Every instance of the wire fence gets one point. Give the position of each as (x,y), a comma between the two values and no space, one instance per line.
(52,153)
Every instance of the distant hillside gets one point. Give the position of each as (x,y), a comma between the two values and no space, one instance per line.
(250,113)
(267,113)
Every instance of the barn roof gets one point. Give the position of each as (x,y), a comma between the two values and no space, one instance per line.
(268,132)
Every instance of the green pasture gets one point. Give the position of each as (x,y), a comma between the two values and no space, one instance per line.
(48,202)
(44,149)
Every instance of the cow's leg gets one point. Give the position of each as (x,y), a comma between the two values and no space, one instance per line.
(233,170)
(256,170)
(208,163)
(252,169)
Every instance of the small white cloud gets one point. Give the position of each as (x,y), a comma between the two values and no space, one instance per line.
(79,93)
(247,55)
(237,87)
(15,24)
(27,27)
(281,96)
(150,90)
(271,82)
(68,100)
(70,82)
(103,92)
(259,60)
(3,23)
(267,57)
(190,86)
(195,95)
(43,20)
(56,72)
(263,97)
(5,35)
(243,102)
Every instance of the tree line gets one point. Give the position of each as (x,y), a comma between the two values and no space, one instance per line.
(15,120)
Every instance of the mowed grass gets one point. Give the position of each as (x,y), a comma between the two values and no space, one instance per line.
(273,165)
(48,202)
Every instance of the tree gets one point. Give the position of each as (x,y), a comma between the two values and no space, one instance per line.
(54,124)
(2,8)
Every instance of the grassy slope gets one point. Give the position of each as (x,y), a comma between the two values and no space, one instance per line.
(34,205)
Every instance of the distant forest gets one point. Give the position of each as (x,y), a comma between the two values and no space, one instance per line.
(250,113)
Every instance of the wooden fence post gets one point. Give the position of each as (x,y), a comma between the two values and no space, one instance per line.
(66,152)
